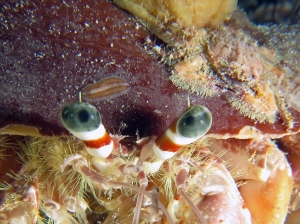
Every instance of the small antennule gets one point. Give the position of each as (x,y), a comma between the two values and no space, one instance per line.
(84,121)
(79,96)
(189,126)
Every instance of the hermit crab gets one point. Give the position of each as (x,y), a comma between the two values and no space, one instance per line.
(162,174)
(84,121)
(229,168)
(171,178)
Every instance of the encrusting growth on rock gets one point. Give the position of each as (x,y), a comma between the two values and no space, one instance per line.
(227,56)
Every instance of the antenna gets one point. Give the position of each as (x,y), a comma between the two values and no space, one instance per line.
(79,96)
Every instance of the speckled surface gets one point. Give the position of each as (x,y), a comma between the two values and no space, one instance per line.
(50,51)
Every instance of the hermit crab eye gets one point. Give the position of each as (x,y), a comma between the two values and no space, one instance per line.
(84,121)
(194,122)
(80,117)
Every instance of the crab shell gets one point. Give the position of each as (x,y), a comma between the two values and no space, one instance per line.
(268,176)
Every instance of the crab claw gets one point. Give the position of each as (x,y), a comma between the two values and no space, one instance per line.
(24,207)
(223,204)
(291,145)
(267,173)
(214,192)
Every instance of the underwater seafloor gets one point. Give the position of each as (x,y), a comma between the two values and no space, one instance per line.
(51,50)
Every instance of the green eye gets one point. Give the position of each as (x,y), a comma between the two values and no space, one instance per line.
(80,117)
(194,122)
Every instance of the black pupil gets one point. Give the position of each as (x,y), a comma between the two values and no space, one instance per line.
(194,122)
(83,116)
(189,120)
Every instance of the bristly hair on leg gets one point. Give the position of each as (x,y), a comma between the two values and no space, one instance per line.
(30,156)
(194,149)
(42,157)
(4,145)
(122,214)
(167,178)
(67,182)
